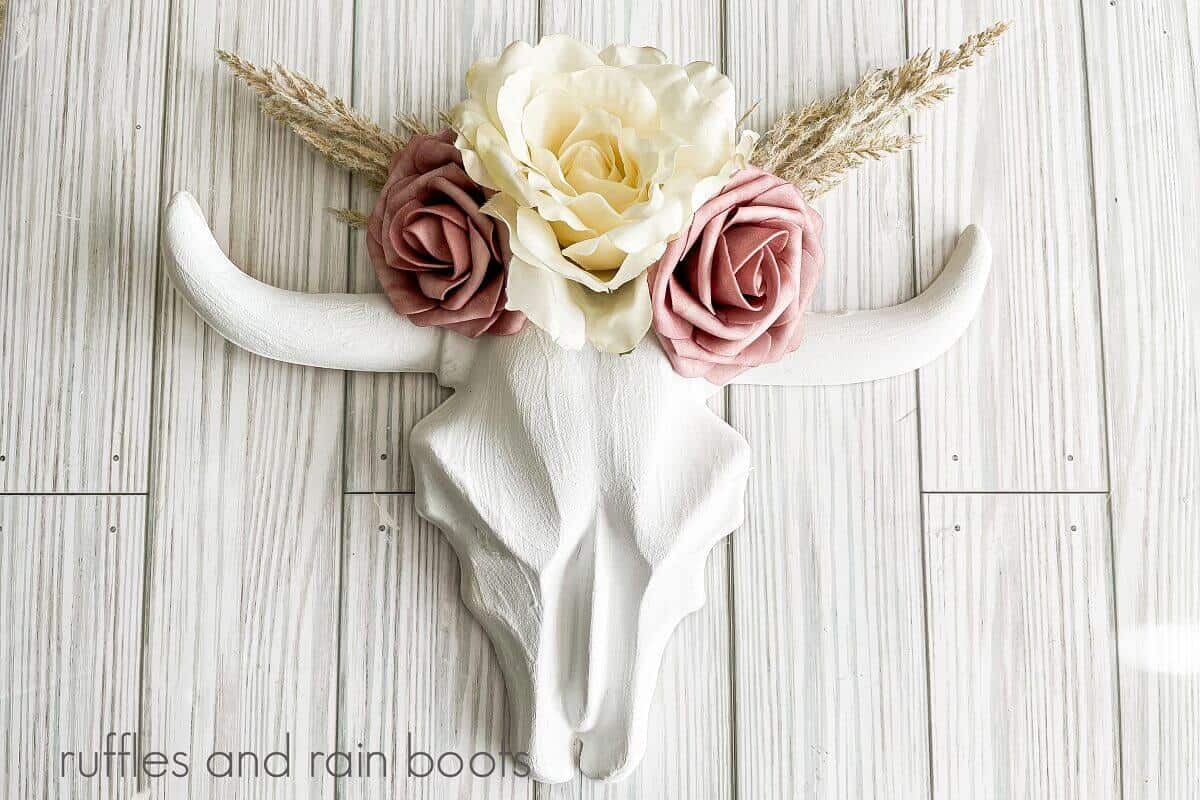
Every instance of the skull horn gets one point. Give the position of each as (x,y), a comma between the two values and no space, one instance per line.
(862,346)
(361,332)
(357,332)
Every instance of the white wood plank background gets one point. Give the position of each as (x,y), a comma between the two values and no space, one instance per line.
(71,616)
(1146,152)
(246,478)
(414,661)
(1022,677)
(81,99)
(1019,404)
(828,625)
(979,581)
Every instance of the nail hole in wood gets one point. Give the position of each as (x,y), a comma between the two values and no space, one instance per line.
(383,456)
(1070,458)
(954,457)
(1074,528)
(116,457)
(3,459)
(112,528)
(382,528)
(957,528)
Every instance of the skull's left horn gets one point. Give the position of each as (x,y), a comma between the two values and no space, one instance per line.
(357,332)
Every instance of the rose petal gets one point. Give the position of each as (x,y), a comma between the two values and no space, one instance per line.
(616,321)
(730,294)
(611,152)
(545,298)
(620,55)
(439,258)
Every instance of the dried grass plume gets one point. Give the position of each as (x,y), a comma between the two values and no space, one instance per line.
(815,147)
(355,219)
(331,127)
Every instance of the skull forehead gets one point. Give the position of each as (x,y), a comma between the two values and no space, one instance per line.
(543,445)
(531,364)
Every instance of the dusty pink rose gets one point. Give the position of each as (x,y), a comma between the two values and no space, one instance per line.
(439,259)
(730,293)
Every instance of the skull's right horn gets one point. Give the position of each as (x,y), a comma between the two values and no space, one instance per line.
(860,346)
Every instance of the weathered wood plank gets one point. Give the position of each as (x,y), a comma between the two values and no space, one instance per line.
(424,77)
(686,30)
(1022,650)
(391,625)
(247,467)
(1017,405)
(1144,88)
(830,673)
(418,673)
(81,94)
(690,735)
(70,641)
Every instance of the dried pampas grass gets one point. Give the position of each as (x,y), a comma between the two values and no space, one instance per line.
(331,127)
(355,219)
(816,146)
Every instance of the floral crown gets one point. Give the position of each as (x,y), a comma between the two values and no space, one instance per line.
(599,194)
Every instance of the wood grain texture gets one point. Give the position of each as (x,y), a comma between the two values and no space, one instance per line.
(418,673)
(821,690)
(403,620)
(246,518)
(70,639)
(1144,89)
(828,642)
(422,80)
(1018,404)
(690,747)
(686,30)
(1022,650)
(80,109)
(828,652)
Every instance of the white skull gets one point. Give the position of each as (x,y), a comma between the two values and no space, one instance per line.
(581,490)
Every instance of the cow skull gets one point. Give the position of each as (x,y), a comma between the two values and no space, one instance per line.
(581,490)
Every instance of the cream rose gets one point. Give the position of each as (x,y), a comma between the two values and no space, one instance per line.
(599,159)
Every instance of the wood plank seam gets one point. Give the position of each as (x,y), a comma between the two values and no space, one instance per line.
(343,524)
(73,494)
(935,492)
(1106,406)
(153,396)
(910,157)
(730,553)
(1143,99)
